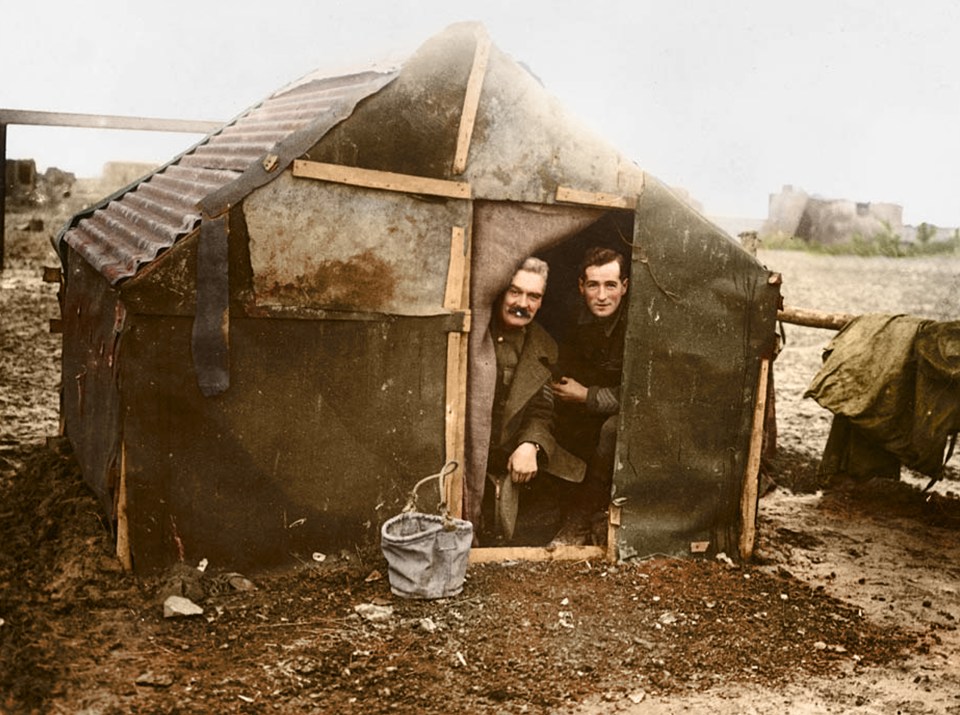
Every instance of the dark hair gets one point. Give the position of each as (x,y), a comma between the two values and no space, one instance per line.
(598,256)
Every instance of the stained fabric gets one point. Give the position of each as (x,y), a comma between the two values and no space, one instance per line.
(211,352)
(893,384)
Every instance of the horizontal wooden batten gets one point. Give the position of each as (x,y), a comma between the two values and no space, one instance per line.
(496,554)
(385,180)
(568,195)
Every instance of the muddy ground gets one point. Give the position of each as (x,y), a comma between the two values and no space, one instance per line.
(851,604)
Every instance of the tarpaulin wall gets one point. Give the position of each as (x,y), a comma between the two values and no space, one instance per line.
(702,315)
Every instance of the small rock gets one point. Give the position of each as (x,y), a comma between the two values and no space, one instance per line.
(428,625)
(374,613)
(154,680)
(183,580)
(820,645)
(637,697)
(241,583)
(178,607)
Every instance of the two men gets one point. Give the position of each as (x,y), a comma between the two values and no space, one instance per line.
(587,396)
(521,434)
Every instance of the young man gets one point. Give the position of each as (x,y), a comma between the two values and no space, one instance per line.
(521,435)
(588,394)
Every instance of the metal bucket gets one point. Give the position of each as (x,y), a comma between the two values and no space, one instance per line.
(426,554)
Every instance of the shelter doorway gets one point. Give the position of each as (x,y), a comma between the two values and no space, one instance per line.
(544,500)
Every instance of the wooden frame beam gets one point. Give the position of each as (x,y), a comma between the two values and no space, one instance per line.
(486,555)
(384,180)
(566,194)
(471,102)
(456,296)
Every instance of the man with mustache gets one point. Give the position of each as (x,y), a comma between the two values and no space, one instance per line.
(521,435)
(588,394)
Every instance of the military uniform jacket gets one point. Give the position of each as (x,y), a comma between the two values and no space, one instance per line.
(528,409)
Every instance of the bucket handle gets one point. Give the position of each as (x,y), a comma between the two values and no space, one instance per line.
(448,469)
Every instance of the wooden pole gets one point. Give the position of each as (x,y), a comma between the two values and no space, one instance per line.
(3,190)
(750,493)
(814,318)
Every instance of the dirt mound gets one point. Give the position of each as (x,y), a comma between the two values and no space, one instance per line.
(78,633)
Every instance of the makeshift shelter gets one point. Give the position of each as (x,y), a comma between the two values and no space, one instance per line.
(270,339)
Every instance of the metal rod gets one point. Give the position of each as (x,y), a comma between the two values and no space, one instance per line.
(3,191)
(105,121)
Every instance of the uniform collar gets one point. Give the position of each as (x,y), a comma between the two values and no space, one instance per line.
(608,325)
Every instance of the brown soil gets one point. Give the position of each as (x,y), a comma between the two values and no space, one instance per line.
(851,604)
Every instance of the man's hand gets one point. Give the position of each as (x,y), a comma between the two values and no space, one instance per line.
(522,465)
(569,390)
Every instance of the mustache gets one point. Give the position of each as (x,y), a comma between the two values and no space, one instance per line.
(519,311)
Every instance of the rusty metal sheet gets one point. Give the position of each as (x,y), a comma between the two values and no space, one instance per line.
(93,328)
(131,228)
(317,244)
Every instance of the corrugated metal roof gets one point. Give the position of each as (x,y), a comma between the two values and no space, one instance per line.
(134,226)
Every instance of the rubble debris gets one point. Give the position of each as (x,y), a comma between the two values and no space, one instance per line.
(180,607)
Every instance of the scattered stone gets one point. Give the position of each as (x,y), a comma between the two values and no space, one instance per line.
(239,582)
(180,607)
(637,697)
(428,625)
(34,224)
(154,680)
(182,580)
(374,613)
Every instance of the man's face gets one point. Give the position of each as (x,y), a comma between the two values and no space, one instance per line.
(603,289)
(522,299)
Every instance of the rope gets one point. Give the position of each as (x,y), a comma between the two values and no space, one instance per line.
(447,470)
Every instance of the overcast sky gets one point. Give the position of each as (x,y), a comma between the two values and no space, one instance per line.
(730,100)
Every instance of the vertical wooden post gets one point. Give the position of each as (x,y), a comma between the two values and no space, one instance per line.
(3,192)
(123,524)
(751,477)
(456,297)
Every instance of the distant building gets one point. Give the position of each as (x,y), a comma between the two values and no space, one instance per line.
(26,186)
(21,176)
(794,213)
